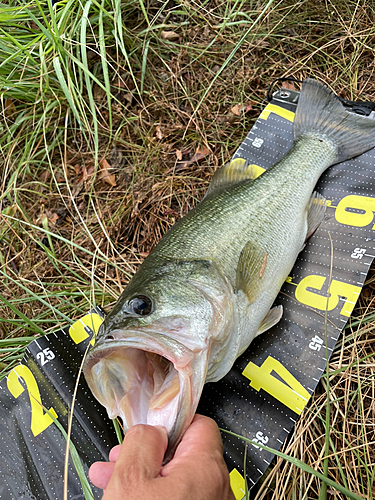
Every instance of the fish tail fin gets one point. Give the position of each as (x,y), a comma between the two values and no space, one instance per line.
(320,111)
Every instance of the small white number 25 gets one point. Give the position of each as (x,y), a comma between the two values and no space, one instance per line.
(45,356)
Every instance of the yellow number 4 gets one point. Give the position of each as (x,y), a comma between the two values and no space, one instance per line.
(291,393)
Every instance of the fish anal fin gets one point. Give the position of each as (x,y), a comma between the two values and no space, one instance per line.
(233,172)
(315,212)
(251,266)
(272,318)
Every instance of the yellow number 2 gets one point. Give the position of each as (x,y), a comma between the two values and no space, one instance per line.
(291,393)
(39,420)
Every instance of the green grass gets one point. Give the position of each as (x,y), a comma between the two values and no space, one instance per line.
(83,82)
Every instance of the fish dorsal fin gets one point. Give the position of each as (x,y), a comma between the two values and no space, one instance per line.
(315,212)
(250,269)
(233,172)
(272,317)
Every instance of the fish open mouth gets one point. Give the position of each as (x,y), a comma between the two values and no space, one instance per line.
(140,386)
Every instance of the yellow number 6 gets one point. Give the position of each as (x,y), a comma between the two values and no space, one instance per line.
(363,203)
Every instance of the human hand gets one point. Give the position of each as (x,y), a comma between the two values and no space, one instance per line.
(197,470)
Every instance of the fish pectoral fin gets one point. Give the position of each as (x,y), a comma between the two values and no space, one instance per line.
(250,269)
(315,212)
(233,172)
(272,317)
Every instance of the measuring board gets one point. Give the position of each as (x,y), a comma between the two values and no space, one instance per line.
(269,385)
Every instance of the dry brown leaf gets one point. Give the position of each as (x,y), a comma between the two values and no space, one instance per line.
(200,153)
(289,85)
(105,174)
(86,172)
(171,36)
(59,177)
(169,211)
(159,133)
(179,154)
(237,109)
(248,107)
(10,108)
(45,176)
(54,218)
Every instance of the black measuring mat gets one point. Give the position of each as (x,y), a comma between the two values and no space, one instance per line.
(270,384)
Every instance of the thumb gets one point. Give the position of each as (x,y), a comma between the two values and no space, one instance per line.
(142,452)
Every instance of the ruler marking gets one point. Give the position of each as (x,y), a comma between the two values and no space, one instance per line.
(346,300)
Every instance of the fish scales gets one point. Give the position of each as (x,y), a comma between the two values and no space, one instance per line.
(218,228)
(209,286)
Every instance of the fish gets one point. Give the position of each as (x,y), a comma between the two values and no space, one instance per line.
(208,288)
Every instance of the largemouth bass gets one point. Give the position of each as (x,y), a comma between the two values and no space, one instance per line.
(209,286)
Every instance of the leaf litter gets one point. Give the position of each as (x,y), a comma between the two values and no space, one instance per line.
(145,183)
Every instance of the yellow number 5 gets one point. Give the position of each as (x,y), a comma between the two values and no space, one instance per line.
(39,420)
(336,290)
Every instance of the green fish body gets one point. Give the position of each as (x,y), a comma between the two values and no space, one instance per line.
(207,289)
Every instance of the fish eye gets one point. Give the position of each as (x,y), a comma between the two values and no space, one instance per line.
(140,305)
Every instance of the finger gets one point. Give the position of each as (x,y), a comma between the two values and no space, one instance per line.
(199,464)
(100,473)
(142,452)
(202,437)
(114,453)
